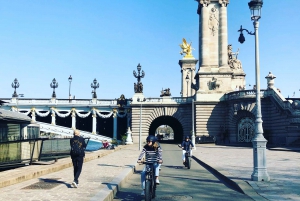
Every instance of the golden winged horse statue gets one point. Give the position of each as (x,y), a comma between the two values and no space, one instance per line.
(186,49)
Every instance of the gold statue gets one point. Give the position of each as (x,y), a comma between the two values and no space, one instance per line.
(186,49)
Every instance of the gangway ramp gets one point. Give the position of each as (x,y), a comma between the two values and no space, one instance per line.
(68,132)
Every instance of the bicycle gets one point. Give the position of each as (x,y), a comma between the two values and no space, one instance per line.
(150,184)
(188,160)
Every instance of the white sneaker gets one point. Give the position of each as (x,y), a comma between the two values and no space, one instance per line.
(157,181)
(143,193)
(74,184)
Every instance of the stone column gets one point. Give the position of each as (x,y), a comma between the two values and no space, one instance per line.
(94,115)
(53,120)
(223,36)
(115,116)
(188,66)
(204,12)
(73,119)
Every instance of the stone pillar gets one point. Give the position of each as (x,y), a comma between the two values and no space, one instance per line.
(73,119)
(188,66)
(94,115)
(204,45)
(115,116)
(53,120)
(223,36)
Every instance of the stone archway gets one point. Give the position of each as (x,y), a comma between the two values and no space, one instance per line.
(170,121)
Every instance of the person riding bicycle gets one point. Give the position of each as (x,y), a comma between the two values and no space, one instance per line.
(153,153)
(186,146)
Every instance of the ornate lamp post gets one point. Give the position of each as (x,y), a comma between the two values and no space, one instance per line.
(70,80)
(187,78)
(259,142)
(54,85)
(138,87)
(94,85)
(140,130)
(15,85)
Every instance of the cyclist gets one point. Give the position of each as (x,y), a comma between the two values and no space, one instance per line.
(186,146)
(153,153)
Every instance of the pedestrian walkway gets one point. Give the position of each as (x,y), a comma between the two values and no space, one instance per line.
(104,171)
(236,163)
(101,173)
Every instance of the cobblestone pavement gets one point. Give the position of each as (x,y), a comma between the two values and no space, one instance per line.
(236,163)
(96,174)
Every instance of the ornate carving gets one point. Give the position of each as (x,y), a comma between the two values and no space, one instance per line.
(186,49)
(213,22)
(233,61)
(214,84)
(224,3)
(204,2)
(165,92)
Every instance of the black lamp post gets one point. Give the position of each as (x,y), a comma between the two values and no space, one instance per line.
(70,80)
(259,142)
(138,87)
(15,85)
(94,85)
(54,85)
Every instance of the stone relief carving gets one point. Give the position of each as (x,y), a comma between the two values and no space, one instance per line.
(233,61)
(223,3)
(213,22)
(214,84)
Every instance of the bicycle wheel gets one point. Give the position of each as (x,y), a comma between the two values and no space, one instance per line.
(189,163)
(148,190)
(153,189)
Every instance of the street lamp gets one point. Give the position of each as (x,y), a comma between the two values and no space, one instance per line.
(54,85)
(187,78)
(259,142)
(140,130)
(15,85)
(94,85)
(70,80)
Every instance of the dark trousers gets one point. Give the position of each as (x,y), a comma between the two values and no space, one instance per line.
(77,166)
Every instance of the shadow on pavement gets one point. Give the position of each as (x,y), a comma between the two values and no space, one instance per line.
(226,181)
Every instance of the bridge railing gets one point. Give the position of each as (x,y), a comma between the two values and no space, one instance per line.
(170,99)
(41,101)
(245,94)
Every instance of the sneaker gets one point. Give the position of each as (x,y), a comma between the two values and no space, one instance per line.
(143,193)
(74,184)
(157,181)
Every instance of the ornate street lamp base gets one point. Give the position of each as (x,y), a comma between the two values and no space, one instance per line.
(129,138)
(259,159)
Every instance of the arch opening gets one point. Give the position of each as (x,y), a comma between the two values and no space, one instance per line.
(172,125)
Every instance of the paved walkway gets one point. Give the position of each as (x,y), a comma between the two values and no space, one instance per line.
(236,163)
(98,178)
(104,170)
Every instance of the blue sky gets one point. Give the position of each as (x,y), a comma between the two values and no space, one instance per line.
(104,39)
